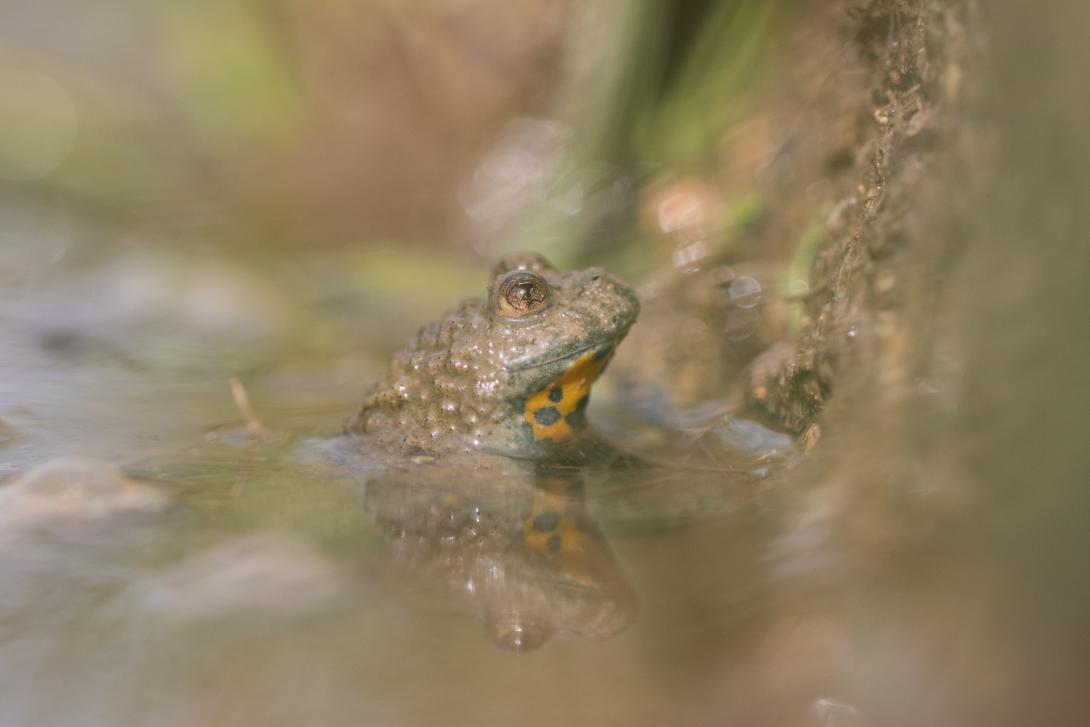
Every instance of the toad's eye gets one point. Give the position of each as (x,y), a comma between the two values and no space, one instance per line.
(522,293)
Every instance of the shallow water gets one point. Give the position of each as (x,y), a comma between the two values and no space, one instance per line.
(730,579)
(277,590)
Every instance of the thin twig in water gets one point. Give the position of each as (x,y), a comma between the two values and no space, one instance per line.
(254,427)
(254,431)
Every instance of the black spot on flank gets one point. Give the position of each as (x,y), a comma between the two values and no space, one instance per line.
(601,353)
(553,543)
(546,521)
(556,394)
(547,415)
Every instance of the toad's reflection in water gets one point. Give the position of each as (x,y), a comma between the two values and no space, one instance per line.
(472,443)
(521,549)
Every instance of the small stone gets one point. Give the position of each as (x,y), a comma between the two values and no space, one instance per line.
(69,492)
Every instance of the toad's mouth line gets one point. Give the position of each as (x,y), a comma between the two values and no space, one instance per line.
(603,344)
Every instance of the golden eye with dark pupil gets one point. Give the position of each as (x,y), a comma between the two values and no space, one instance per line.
(523,293)
(523,296)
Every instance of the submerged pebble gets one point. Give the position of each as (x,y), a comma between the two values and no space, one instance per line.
(258,575)
(69,493)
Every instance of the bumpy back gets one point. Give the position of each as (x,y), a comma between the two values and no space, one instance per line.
(444,391)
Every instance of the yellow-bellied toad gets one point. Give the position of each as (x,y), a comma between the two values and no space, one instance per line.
(493,395)
(507,374)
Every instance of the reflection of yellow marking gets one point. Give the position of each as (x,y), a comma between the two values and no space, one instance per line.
(574,384)
(575,552)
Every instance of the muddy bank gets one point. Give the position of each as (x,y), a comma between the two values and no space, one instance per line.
(913,55)
(943,359)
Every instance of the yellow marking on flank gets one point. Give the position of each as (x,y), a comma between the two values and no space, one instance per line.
(574,384)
